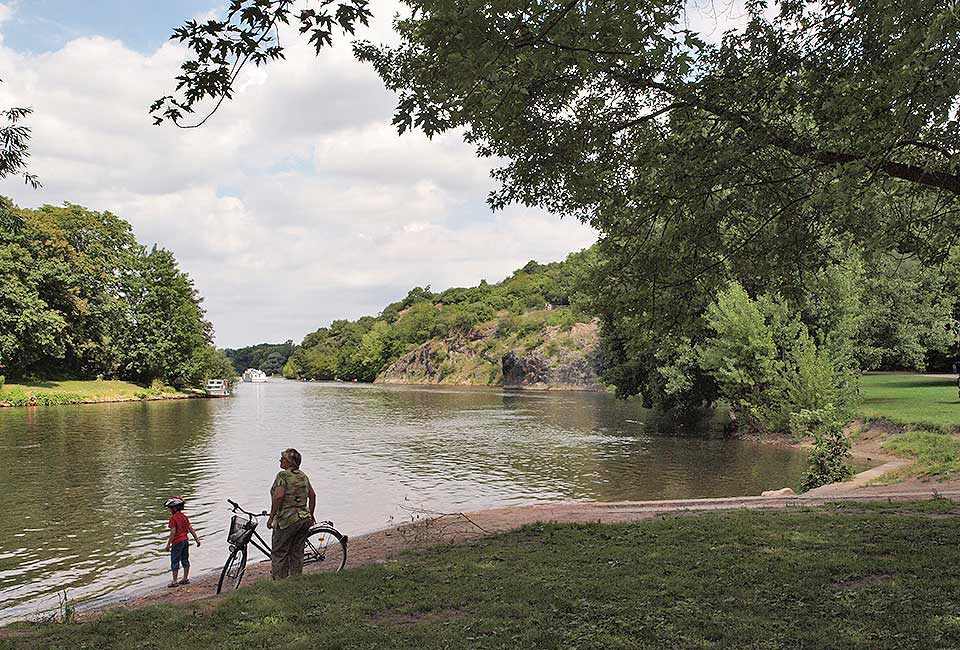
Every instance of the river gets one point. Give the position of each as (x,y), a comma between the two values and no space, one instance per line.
(82,487)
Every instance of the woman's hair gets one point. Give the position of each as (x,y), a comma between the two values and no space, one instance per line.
(293,457)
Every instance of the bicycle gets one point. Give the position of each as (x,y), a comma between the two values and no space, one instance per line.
(325,545)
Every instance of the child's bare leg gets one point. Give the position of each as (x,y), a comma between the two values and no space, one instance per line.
(186,573)
(175,573)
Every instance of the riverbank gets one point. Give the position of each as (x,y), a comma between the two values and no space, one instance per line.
(52,392)
(852,575)
(426,529)
(587,474)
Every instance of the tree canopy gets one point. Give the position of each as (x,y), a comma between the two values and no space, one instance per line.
(810,156)
(813,118)
(80,298)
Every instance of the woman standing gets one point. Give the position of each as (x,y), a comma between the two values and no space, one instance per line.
(291,516)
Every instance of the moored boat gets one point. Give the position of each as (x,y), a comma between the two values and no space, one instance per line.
(216,388)
(254,375)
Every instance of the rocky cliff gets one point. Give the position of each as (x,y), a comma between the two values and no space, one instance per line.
(552,358)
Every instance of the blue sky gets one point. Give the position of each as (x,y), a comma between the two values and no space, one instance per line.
(39,26)
(296,205)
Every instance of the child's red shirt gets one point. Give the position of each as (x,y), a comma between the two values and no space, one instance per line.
(180,525)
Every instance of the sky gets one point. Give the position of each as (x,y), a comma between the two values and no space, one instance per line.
(298,203)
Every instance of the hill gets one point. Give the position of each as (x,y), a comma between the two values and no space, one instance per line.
(530,330)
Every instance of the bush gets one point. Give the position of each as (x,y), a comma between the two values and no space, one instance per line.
(766,364)
(830,458)
(507,325)
(3,380)
(19,397)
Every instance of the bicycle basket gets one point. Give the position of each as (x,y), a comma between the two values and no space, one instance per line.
(241,529)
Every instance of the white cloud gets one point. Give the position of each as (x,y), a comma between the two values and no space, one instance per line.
(294,205)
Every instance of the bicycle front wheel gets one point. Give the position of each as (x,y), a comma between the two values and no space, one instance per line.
(233,570)
(326,548)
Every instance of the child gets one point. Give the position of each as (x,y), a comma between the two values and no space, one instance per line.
(177,544)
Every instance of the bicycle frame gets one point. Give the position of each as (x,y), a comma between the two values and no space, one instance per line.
(263,546)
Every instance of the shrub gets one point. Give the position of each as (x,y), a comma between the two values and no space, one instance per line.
(830,458)
(507,325)
(446,368)
(3,380)
(765,363)
(19,397)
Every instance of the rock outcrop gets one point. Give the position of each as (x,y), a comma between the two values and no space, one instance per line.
(557,358)
(569,368)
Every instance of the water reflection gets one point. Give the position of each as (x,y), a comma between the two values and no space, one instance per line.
(81,488)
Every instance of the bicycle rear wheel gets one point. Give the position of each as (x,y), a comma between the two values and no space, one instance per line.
(233,570)
(326,548)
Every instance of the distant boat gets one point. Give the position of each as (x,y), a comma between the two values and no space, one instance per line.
(254,376)
(216,388)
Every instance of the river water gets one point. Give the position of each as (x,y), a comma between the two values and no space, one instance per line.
(82,487)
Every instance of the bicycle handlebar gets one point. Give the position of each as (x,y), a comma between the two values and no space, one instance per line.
(236,507)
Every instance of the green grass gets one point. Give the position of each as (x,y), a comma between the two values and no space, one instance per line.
(72,391)
(850,577)
(929,402)
(934,454)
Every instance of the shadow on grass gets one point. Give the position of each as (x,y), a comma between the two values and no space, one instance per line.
(37,383)
(932,382)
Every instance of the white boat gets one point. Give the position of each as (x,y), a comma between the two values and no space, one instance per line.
(216,388)
(254,375)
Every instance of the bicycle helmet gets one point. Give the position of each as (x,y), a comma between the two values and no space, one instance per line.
(173,502)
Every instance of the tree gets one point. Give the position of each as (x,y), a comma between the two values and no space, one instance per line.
(249,33)
(79,297)
(615,113)
(814,126)
(59,270)
(208,362)
(164,324)
(30,328)
(268,357)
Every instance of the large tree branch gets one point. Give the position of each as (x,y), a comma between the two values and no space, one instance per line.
(908,172)
(903,171)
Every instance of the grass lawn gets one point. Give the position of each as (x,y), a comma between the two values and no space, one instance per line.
(73,391)
(934,454)
(912,400)
(885,576)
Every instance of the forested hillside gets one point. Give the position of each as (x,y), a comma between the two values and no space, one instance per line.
(771,347)
(268,357)
(514,314)
(80,298)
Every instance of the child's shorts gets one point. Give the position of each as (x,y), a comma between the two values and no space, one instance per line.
(180,555)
